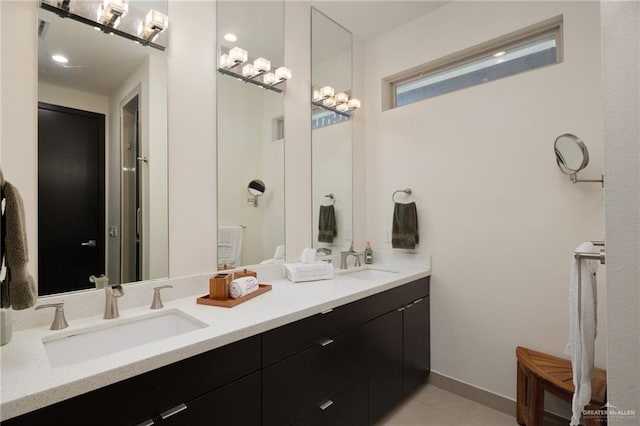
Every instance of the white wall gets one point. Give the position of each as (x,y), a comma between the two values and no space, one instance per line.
(192,138)
(498,217)
(621,80)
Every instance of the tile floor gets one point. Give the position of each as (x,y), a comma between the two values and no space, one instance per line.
(432,406)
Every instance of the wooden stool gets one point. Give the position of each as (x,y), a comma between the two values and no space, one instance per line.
(539,372)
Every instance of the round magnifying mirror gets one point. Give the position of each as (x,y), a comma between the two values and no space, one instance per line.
(256,187)
(571,153)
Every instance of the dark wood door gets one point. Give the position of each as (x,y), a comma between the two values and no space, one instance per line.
(71,198)
(417,350)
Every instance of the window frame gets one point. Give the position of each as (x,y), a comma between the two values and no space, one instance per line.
(532,33)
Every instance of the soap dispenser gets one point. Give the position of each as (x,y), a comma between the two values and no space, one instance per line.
(368,254)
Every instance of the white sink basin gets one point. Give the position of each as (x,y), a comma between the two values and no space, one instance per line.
(370,274)
(93,342)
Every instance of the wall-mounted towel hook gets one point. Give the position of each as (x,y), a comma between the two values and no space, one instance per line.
(332,198)
(407,191)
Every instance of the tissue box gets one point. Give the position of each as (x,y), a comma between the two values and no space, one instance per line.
(298,272)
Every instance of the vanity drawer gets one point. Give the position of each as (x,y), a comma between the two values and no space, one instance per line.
(295,386)
(348,408)
(290,339)
(235,404)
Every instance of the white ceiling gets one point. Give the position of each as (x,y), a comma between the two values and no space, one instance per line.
(369,19)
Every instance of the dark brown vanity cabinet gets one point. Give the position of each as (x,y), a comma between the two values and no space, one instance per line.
(378,346)
(347,366)
(175,391)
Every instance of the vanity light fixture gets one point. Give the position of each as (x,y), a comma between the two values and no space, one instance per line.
(111,12)
(339,103)
(258,72)
(154,23)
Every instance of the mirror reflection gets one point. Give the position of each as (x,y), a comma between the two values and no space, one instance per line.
(250,139)
(331,136)
(102,155)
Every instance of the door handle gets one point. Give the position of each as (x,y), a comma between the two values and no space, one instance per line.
(90,243)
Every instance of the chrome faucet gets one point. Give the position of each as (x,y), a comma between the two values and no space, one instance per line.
(344,255)
(111,292)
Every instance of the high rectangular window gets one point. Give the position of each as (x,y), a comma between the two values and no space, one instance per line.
(525,50)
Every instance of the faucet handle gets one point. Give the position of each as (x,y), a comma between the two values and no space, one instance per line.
(101,282)
(59,321)
(157,301)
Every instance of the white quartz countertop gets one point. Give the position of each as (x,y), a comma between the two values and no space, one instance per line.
(28,381)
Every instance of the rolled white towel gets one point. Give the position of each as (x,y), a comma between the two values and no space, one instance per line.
(242,286)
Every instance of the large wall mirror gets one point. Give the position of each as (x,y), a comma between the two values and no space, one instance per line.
(250,135)
(102,149)
(331,135)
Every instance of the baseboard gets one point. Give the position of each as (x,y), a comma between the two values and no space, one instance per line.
(485,397)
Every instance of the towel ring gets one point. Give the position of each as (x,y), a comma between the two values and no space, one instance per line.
(406,191)
(332,197)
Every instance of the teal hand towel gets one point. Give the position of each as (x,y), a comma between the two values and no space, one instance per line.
(327,228)
(404,233)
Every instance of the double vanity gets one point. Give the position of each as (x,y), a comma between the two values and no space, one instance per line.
(331,352)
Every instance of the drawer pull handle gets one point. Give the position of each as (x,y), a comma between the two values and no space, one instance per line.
(147,422)
(172,411)
(326,405)
(327,311)
(326,342)
(419,300)
(409,305)
(401,309)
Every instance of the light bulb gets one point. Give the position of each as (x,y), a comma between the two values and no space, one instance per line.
(154,23)
(238,55)
(330,101)
(354,103)
(249,71)
(262,65)
(283,73)
(316,95)
(269,78)
(225,61)
(341,98)
(327,91)
(343,107)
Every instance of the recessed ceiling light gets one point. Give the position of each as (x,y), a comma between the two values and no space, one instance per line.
(498,54)
(60,59)
(230,37)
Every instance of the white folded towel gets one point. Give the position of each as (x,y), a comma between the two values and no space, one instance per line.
(582,327)
(297,272)
(242,286)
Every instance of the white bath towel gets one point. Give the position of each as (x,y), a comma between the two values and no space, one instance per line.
(229,245)
(242,286)
(582,327)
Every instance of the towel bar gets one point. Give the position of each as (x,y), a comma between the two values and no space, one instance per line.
(594,256)
(406,191)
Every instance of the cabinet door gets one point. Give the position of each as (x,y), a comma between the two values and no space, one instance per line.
(348,408)
(386,363)
(235,404)
(417,354)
